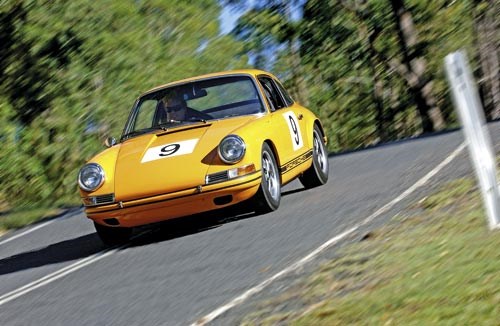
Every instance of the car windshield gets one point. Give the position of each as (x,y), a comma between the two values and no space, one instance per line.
(197,101)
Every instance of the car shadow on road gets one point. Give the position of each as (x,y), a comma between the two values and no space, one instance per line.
(87,245)
(197,223)
(294,191)
(59,252)
(189,225)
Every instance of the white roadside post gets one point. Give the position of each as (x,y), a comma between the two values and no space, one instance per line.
(476,132)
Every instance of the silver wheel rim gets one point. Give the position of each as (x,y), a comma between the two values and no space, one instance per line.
(270,175)
(320,154)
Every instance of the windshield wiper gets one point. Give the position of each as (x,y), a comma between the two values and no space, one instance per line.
(183,121)
(161,126)
(170,122)
(197,120)
(134,133)
(143,131)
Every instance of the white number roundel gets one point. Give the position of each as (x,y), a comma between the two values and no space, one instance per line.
(169,150)
(293,126)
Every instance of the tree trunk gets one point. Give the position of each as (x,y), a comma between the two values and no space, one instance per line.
(420,86)
(384,121)
(486,40)
(369,33)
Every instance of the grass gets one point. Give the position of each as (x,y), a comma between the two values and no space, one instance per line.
(437,263)
(18,218)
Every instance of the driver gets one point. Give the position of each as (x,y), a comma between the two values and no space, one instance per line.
(176,109)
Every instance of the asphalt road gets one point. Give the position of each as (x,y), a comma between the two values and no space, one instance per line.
(180,272)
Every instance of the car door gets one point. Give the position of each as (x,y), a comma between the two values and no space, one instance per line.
(288,127)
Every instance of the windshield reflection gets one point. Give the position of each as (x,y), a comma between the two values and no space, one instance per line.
(194,102)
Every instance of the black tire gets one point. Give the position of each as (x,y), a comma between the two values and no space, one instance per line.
(113,235)
(317,174)
(268,197)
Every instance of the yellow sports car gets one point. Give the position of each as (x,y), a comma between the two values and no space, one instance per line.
(201,144)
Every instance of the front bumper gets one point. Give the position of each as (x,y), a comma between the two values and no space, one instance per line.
(172,205)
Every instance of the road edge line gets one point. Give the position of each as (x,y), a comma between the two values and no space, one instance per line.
(300,263)
(54,276)
(32,229)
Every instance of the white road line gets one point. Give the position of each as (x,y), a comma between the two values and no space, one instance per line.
(57,274)
(63,272)
(295,266)
(219,311)
(27,232)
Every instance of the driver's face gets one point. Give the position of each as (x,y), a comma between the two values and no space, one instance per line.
(175,108)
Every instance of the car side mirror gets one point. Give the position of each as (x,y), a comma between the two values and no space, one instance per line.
(110,142)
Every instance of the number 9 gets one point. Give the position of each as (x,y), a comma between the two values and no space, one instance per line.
(294,129)
(169,149)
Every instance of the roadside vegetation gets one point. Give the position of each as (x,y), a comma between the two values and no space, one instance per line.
(434,263)
(372,71)
(14,219)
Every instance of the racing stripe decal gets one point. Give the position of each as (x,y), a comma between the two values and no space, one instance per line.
(287,167)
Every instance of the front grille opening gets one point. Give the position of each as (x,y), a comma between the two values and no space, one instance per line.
(223,200)
(111,221)
(104,199)
(99,200)
(217,177)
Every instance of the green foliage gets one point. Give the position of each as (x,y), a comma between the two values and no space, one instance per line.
(70,71)
(19,218)
(353,69)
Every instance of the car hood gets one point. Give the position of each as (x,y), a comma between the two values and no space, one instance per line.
(168,161)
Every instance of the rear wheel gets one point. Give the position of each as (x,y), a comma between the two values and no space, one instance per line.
(317,174)
(113,235)
(268,196)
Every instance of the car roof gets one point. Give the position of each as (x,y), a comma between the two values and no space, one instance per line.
(251,72)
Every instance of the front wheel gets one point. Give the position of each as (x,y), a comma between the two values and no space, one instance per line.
(268,196)
(113,235)
(317,174)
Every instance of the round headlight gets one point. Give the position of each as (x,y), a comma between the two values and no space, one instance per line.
(231,149)
(91,177)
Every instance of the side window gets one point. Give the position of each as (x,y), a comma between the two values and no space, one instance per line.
(273,97)
(286,96)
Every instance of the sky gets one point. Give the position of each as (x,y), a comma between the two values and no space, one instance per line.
(230,14)
(228,18)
